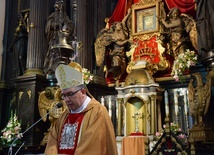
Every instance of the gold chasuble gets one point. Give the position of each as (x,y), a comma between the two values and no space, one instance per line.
(95,133)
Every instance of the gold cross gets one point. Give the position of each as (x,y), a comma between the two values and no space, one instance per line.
(136,117)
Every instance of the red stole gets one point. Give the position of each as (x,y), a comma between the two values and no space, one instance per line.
(70,133)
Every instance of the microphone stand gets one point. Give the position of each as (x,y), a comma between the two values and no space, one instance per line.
(20,148)
(10,151)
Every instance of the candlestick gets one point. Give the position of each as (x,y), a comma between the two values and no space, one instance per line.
(175,97)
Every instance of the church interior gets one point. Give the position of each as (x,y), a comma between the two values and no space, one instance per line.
(149,62)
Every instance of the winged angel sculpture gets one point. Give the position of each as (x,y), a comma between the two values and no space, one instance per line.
(114,40)
(47,103)
(199,97)
(180,32)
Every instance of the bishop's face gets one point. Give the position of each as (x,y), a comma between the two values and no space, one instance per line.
(74,97)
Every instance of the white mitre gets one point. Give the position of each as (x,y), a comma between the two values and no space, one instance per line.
(69,75)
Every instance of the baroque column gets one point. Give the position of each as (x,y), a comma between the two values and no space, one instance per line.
(36,41)
(33,81)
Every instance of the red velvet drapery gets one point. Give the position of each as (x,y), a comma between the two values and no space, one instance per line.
(121,10)
(185,6)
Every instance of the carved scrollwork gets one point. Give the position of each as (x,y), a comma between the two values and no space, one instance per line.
(47,103)
(145,2)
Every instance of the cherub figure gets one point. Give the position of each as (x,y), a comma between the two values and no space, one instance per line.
(115,40)
(181,32)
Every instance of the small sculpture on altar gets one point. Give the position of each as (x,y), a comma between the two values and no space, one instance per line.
(136,117)
(113,43)
(180,32)
(59,30)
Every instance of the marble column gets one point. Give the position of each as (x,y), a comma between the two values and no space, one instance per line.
(33,81)
(36,39)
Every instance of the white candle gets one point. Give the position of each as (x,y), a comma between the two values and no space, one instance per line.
(102,101)
(176,109)
(109,106)
(166,103)
(185,109)
(185,102)
(176,102)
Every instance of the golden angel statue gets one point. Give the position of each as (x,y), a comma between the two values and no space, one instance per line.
(180,32)
(116,41)
(47,102)
(199,97)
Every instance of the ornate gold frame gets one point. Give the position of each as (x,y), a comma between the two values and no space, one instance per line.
(144,18)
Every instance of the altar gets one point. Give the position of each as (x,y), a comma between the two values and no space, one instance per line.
(134,145)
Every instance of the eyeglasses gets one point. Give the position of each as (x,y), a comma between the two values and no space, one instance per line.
(70,94)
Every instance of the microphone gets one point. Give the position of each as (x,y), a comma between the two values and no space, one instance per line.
(58,105)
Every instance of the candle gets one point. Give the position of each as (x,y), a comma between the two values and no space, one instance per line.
(176,102)
(185,102)
(176,109)
(185,109)
(185,96)
(166,103)
(102,101)
(109,106)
